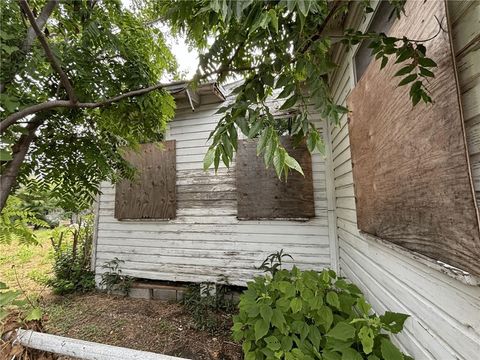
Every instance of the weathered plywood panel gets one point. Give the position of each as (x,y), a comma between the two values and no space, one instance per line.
(261,195)
(410,165)
(152,195)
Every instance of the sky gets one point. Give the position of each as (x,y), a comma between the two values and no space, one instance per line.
(187,59)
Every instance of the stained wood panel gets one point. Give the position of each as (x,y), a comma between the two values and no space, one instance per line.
(410,168)
(261,195)
(152,195)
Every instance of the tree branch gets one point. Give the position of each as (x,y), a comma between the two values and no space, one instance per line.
(41,21)
(31,35)
(322,26)
(48,105)
(48,52)
(52,104)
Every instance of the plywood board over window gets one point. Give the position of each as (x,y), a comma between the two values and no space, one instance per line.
(261,195)
(152,194)
(411,173)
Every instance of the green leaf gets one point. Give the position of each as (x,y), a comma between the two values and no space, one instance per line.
(332,299)
(273,19)
(331,355)
(427,62)
(3,286)
(5,155)
(7,297)
(255,129)
(405,70)
(273,343)
(407,79)
(342,331)
(366,337)
(263,139)
(427,73)
(326,317)
(293,164)
(34,314)
(208,159)
(286,343)
(351,354)
(363,306)
(314,335)
(384,62)
(296,305)
(393,321)
(289,103)
(390,351)
(266,312)
(279,160)
(246,346)
(303,6)
(278,320)
(261,329)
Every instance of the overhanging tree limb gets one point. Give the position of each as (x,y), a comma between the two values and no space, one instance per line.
(52,104)
(48,52)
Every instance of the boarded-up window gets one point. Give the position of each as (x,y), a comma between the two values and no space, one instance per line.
(261,195)
(410,168)
(152,194)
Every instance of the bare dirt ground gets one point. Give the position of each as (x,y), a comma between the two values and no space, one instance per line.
(149,325)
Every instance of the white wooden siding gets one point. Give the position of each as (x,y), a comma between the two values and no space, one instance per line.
(445,313)
(206,241)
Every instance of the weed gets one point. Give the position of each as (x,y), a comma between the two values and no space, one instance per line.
(72,259)
(205,303)
(113,280)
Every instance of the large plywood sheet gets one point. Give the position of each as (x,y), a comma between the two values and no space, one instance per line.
(152,195)
(410,167)
(261,195)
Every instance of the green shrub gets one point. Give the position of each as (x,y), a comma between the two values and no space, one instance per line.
(113,281)
(298,314)
(72,258)
(205,303)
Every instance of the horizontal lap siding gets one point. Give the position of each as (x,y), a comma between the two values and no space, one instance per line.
(445,313)
(206,241)
(465,21)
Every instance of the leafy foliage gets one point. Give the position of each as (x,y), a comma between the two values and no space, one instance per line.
(11,299)
(72,258)
(113,280)
(281,50)
(16,222)
(40,199)
(205,302)
(273,262)
(310,315)
(105,50)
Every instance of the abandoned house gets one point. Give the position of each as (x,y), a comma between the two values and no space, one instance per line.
(392,205)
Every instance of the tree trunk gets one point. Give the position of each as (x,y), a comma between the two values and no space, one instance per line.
(9,176)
